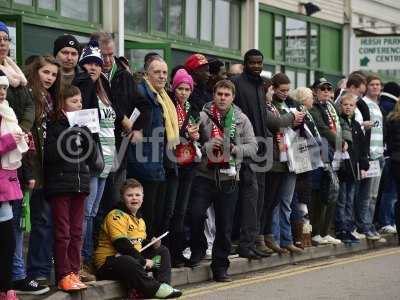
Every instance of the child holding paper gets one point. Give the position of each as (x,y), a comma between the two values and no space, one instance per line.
(119,257)
(348,172)
(67,152)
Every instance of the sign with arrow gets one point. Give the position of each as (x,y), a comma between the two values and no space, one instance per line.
(377,53)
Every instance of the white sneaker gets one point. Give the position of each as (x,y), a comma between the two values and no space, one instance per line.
(332,240)
(357,235)
(319,240)
(187,253)
(388,229)
(382,240)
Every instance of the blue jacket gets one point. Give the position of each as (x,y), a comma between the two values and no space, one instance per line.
(145,159)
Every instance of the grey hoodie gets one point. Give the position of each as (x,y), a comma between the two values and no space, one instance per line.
(245,144)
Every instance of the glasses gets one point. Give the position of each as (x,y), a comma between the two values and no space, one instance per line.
(5,39)
(323,89)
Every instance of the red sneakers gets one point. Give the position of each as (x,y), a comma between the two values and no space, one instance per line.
(70,283)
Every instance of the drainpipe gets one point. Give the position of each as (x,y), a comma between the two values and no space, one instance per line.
(256,25)
(121,28)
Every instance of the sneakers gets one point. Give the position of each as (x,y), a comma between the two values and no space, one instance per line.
(318,240)
(29,287)
(10,295)
(388,229)
(86,273)
(331,240)
(166,291)
(78,281)
(71,283)
(347,238)
(372,236)
(358,235)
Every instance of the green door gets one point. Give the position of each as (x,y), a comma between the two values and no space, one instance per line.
(135,53)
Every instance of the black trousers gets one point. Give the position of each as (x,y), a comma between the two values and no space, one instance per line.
(395,169)
(246,214)
(133,275)
(153,206)
(224,198)
(171,194)
(7,248)
(177,232)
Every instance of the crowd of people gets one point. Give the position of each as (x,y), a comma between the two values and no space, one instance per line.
(223,161)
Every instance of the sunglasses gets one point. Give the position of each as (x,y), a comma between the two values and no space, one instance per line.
(323,89)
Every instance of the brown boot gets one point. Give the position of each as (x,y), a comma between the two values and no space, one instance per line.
(297,230)
(293,249)
(270,243)
(260,245)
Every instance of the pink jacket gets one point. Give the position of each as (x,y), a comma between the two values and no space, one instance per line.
(9,184)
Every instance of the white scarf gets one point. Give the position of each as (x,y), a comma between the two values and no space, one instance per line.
(14,74)
(390,96)
(9,124)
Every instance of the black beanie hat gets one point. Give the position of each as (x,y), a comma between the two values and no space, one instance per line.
(66,40)
(392,88)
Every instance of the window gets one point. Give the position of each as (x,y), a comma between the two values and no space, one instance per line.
(24,2)
(191,19)
(47,4)
(136,15)
(222,22)
(158,15)
(175,17)
(278,53)
(314,46)
(296,42)
(235,26)
(83,10)
(206,20)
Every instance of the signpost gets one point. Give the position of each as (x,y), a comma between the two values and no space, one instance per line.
(379,54)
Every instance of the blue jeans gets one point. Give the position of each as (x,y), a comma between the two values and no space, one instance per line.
(285,196)
(366,201)
(41,239)
(344,206)
(18,269)
(92,203)
(386,214)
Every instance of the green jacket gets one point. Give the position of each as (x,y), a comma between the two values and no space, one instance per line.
(21,101)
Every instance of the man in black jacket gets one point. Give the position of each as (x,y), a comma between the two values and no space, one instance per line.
(198,67)
(125,98)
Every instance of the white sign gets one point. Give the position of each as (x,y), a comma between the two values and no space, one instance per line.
(377,53)
(374,169)
(85,117)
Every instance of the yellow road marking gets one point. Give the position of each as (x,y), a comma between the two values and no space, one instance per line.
(285,273)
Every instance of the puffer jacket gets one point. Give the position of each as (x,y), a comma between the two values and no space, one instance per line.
(66,171)
(244,140)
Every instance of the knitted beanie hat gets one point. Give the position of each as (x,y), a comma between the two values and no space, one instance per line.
(66,40)
(182,76)
(392,88)
(3,27)
(4,79)
(91,54)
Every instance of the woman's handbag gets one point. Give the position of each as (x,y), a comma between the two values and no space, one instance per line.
(185,154)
